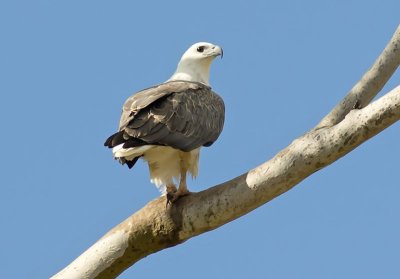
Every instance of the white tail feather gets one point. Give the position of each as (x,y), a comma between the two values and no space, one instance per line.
(130,153)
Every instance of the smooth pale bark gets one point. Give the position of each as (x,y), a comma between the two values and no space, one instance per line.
(370,84)
(156,227)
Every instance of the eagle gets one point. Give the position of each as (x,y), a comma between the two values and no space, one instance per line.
(167,124)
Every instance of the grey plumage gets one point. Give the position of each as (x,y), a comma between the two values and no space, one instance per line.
(181,114)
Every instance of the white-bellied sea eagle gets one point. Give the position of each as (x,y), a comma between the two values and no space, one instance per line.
(167,124)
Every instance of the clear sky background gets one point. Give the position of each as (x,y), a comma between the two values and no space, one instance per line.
(66,68)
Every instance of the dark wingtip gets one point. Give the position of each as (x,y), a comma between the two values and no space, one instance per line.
(115,139)
(130,164)
(207,144)
(133,142)
(108,141)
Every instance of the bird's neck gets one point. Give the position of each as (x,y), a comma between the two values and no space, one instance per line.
(189,70)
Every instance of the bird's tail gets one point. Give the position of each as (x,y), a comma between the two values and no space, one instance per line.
(126,151)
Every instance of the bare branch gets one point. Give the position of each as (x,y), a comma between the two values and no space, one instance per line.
(370,84)
(154,227)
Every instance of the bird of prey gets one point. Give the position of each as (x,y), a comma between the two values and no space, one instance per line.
(167,124)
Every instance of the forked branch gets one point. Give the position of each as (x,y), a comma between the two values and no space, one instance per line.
(370,84)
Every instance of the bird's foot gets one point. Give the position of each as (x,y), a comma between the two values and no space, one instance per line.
(177,194)
(171,190)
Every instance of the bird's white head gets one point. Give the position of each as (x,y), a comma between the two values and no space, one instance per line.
(196,61)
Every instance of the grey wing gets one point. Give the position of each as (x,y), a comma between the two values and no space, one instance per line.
(144,98)
(185,120)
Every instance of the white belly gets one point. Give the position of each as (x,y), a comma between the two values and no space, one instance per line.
(165,163)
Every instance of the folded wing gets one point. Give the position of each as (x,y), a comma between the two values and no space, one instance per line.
(180,114)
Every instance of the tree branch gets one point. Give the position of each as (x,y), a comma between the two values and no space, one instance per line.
(370,84)
(156,227)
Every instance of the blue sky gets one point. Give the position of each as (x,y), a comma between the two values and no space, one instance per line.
(67,67)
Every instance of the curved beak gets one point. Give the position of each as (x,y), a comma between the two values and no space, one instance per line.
(216,51)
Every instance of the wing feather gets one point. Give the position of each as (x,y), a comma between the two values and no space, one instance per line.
(184,115)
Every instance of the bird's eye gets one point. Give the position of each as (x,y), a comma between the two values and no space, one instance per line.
(200,49)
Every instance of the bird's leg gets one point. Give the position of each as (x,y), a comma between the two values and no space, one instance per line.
(182,189)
